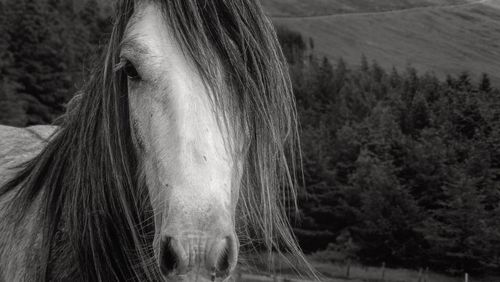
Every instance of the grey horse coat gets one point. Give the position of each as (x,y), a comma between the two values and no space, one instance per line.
(18,145)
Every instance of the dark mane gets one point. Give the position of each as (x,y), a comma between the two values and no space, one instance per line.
(95,209)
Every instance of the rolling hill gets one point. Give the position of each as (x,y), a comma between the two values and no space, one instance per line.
(444,37)
(279,8)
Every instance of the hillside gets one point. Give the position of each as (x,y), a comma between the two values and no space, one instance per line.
(279,8)
(441,39)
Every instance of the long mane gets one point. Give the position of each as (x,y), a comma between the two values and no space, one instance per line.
(95,209)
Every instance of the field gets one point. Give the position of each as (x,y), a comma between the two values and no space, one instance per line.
(439,37)
(284,8)
(338,273)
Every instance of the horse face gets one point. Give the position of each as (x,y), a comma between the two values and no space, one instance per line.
(186,155)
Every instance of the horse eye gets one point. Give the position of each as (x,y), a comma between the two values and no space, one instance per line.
(131,71)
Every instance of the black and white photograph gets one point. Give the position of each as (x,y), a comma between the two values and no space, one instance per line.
(250,140)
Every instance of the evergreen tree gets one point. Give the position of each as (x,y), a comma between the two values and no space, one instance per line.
(377,72)
(395,78)
(364,64)
(292,44)
(6,58)
(485,83)
(456,231)
(50,46)
(389,215)
(419,113)
(11,109)
(464,82)
(36,68)
(339,75)
(325,92)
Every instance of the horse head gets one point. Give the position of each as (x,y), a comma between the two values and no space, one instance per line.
(189,155)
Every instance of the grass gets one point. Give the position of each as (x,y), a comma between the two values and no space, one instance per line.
(372,274)
(321,7)
(439,39)
(333,272)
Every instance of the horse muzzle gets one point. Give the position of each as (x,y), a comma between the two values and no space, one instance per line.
(197,256)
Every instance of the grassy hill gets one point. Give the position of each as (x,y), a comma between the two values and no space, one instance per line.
(326,7)
(438,38)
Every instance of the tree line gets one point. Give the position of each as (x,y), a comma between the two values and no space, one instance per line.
(399,167)
(45,46)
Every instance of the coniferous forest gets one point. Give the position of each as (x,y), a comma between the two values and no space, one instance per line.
(46,50)
(399,167)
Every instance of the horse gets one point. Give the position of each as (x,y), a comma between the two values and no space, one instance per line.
(180,150)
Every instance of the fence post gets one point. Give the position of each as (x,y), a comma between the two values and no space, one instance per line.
(383,271)
(466,277)
(348,270)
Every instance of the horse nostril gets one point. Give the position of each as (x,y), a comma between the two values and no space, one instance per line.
(170,259)
(224,256)
(223,262)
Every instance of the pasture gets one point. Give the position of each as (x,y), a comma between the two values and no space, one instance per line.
(444,39)
(333,272)
(339,271)
(321,7)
